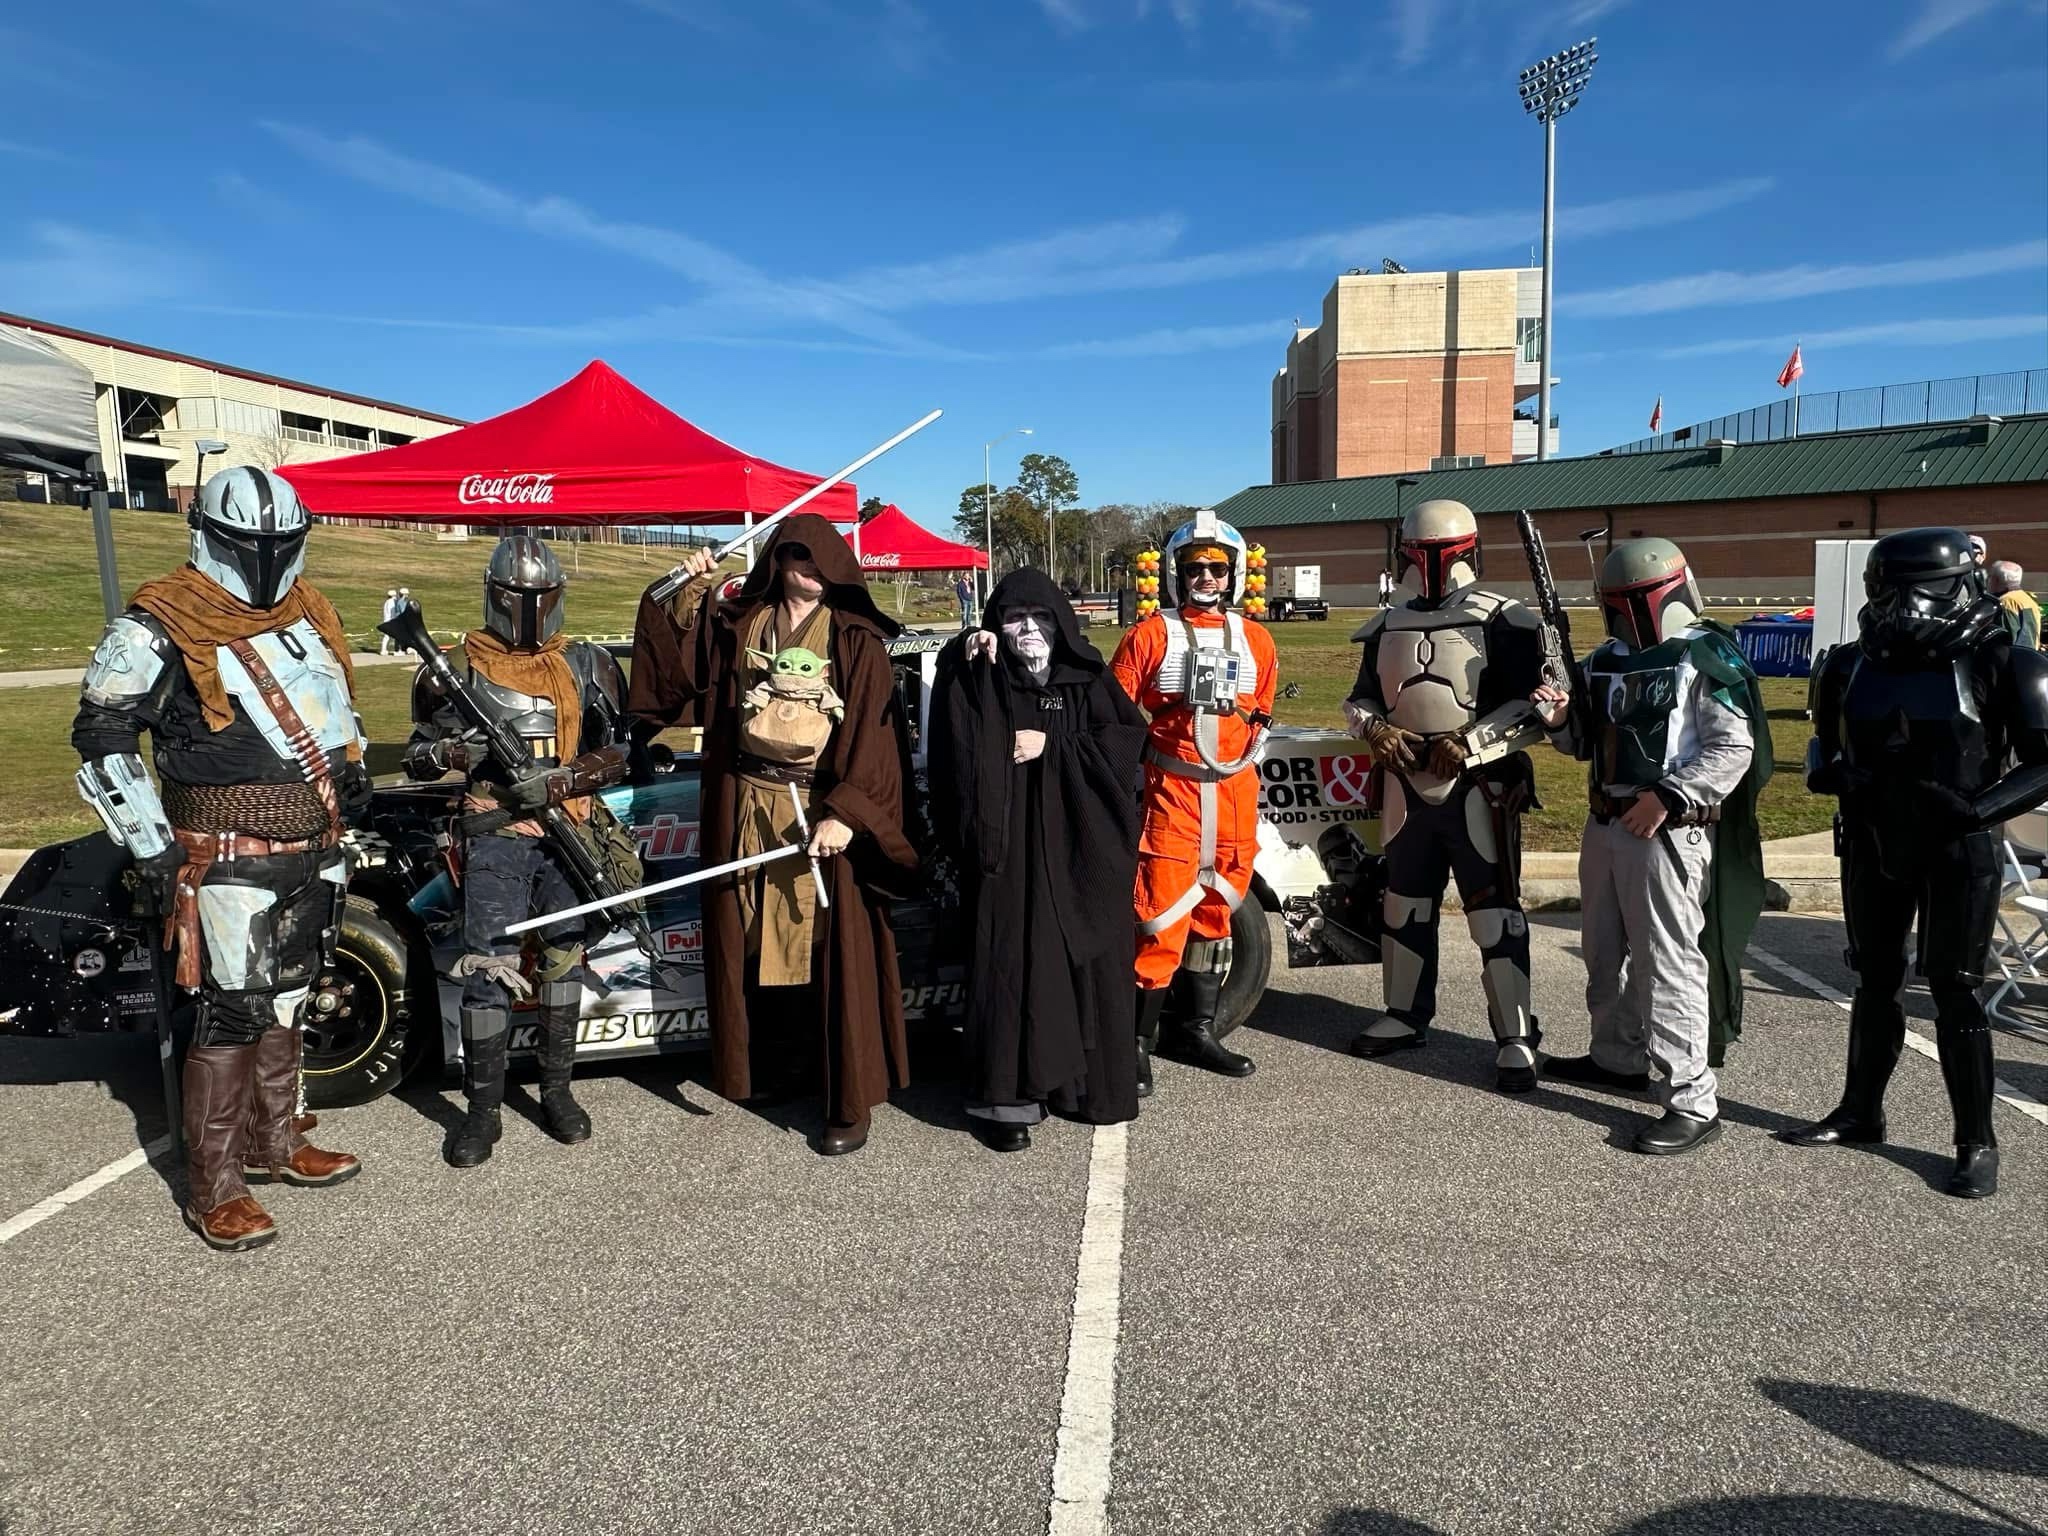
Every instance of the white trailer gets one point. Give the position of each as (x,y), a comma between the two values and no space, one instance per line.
(1295,592)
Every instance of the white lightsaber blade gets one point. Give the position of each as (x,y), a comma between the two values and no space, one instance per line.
(674,581)
(803,828)
(528,924)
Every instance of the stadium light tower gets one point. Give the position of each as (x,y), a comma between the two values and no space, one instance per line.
(1550,88)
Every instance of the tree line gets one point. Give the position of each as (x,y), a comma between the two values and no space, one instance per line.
(1087,545)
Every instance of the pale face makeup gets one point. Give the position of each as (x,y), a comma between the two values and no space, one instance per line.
(1027,633)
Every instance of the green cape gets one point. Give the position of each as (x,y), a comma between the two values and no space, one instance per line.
(1735,884)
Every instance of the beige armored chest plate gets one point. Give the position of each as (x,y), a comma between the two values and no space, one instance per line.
(1430,662)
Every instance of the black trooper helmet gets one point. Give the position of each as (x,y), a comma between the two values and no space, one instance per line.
(1925,590)
(523,592)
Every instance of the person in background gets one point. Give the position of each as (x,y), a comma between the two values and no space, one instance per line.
(2016,607)
(1978,550)
(385,642)
(963,590)
(1386,589)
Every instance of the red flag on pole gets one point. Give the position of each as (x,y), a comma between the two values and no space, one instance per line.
(1793,368)
(1657,415)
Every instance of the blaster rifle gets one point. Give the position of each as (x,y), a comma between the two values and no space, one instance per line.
(1560,665)
(506,748)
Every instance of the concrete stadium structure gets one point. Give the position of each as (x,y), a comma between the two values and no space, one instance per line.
(154,405)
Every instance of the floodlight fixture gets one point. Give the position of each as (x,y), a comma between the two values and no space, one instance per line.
(1550,88)
(210,445)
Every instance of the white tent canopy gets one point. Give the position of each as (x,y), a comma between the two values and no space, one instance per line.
(47,416)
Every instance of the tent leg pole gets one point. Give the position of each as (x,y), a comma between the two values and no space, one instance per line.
(103,545)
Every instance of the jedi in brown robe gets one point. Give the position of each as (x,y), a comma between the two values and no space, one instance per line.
(689,659)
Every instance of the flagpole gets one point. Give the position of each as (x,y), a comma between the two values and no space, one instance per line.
(1796,352)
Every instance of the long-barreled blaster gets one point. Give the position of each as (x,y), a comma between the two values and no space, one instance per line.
(695,877)
(508,749)
(1560,666)
(674,582)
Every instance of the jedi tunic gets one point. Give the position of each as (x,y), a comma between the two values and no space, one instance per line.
(688,657)
(1048,853)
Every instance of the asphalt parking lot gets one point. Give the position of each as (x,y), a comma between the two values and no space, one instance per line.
(1350,1297)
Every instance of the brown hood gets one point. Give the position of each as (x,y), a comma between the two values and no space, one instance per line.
(846,589)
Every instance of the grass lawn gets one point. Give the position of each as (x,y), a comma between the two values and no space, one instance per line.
(40,805)
(53,616)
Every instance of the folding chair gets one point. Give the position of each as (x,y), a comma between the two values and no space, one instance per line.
(2025,853)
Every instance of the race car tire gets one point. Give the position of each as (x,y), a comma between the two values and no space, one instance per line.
(1251,966)
(359,1022)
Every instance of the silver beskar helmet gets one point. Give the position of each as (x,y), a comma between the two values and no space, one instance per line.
(249,534)
(523,592)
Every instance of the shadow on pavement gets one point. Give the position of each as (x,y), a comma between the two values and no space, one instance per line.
(124,1064)
(1912,1431)
(1802,1513)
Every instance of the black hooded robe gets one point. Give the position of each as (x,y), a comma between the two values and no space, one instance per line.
(1048,856)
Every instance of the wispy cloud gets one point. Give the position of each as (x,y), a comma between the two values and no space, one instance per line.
(1179,341)
(61,269)
(1700,289)
(246,197)
(1414,23)
(1941,332)
(1067,15)
(1018,268)
(23,151)
(744,288)
(699,15)
(1937,18)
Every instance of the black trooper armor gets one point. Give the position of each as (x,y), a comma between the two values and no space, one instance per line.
(1932,729)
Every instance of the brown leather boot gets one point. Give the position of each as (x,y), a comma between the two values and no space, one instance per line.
(838,1140)
(219,1088)
(275,1151)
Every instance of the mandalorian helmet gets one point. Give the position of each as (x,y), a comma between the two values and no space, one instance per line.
(1207,538)
(1647,593)
(1925,591)
(1440,544)
(523,592)
(249,534)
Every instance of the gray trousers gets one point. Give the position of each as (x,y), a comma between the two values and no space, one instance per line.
(1646,976)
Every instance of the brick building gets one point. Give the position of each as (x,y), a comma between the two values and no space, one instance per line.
(1411,371)
(1747,516)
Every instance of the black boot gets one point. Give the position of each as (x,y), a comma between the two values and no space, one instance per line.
(564,1118)
(1976,1173)
(1877,1032)
(1000,1135)
(1677,1132)
(483,1078)
(1195,1039)
(1151,1003)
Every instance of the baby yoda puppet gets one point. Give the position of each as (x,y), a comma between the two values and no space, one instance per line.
(788,716)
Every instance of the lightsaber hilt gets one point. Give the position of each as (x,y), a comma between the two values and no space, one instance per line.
(803,827)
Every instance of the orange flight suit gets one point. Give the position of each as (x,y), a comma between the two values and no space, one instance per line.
(1170,843)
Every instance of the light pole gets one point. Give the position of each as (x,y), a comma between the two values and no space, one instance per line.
(204,448)
(988,526)
(1550,88)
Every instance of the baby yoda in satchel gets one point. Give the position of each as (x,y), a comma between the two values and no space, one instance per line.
(788,716)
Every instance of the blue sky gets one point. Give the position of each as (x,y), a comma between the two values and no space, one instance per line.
(803,223)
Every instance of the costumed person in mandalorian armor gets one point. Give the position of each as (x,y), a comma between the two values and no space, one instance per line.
(1442,703)
(566,700)
(1670,864)
(1205,676)
(239,670)
(1932,728)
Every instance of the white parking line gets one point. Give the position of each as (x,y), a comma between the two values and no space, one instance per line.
(2024,1102)
(119,1168)
(1087,1438)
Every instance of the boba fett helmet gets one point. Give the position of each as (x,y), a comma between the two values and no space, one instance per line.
(523,588)
(1440,544)
(1647,593)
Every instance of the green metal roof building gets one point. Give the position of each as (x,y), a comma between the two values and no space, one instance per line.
(1746,514)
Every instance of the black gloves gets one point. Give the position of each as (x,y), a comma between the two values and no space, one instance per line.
(157,876)
(530,789)
(352,789)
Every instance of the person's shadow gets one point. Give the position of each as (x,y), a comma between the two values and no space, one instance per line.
(124,1063)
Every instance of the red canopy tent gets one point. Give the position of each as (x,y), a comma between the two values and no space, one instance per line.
(890,541)
(594,450)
